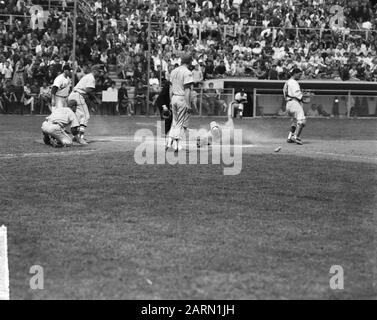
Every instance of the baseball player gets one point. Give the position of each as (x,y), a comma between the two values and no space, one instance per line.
(213,136)
(241,99)
(56,124)
(82,93)
(61,88)
(294,97)
(180,93)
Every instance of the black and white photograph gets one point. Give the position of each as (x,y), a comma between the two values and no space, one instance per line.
(188,150)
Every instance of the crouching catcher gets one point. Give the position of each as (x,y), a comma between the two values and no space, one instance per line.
(55,127)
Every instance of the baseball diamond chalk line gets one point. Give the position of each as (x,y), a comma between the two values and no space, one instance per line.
(344,155)
(45,154)
(4,271)
(191,146)
(90,152)
(81,153)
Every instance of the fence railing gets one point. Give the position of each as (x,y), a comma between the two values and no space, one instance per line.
(219,102)
(237,30)
(200,29)
(325,103)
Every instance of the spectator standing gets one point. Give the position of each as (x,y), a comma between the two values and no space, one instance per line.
(197,75)
(44,99)
(27,98)
(7,72)
(19,70)
(125,106)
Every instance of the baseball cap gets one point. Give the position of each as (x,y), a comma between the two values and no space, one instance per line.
(97,67)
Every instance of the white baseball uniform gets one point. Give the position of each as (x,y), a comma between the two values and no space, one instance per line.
(78,94)
(63,84)
(57,122)
(241,99)
(293,95)
(180,77)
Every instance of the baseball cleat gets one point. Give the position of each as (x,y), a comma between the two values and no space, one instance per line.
(83,142)
(290,141)
(80,140)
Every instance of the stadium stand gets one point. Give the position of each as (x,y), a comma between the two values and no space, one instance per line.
(241,38)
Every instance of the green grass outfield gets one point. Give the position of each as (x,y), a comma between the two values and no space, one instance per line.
(102,226)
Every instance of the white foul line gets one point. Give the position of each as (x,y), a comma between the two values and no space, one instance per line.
(339,155)
(4,270)
(45,154)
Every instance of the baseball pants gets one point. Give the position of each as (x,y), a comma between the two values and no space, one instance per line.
(180,117)
(296,110)
(57,132)
(82,111)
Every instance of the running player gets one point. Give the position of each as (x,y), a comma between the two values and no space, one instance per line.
(83,92)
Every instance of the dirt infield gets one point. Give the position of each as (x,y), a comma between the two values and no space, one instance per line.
(259,137)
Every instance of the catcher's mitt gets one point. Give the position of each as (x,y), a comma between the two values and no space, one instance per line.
(166,113)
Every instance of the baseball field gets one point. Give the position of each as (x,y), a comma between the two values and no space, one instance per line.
(105,227)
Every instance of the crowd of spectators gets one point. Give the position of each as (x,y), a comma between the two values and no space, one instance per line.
(242,38)
(261,39)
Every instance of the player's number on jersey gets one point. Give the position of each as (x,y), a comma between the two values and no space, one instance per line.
(337,20)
